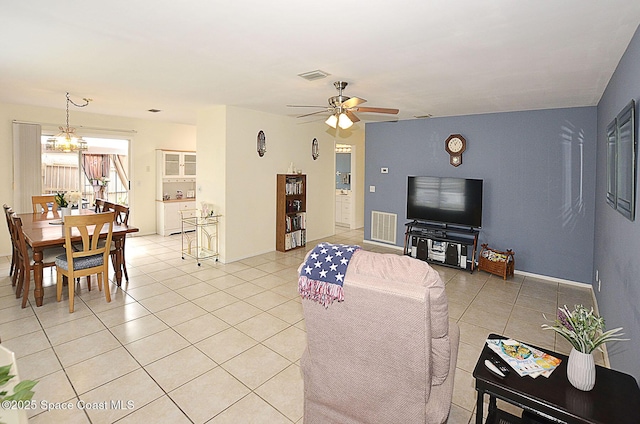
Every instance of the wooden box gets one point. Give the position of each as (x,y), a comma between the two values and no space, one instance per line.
(497,262)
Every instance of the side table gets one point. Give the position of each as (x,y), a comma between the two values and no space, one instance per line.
(614,399)
(199,235)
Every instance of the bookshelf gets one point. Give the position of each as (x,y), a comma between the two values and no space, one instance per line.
(291,211)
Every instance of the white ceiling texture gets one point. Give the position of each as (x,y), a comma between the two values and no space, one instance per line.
(443,58)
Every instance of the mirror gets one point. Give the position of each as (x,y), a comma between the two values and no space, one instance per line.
(621,162)
(343,171)
(611,164)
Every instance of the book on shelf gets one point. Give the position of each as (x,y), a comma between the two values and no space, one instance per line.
(524,359)
(295,222)
(295,239)
(294,186)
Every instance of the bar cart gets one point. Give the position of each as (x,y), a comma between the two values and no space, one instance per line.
(199,235)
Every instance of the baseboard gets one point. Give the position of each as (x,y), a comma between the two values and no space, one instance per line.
(388,246)
(555,280)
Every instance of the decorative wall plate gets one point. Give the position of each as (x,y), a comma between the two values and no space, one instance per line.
(262,143)
(315,150)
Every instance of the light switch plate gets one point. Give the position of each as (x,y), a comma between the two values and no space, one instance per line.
(372,189)
(384,170)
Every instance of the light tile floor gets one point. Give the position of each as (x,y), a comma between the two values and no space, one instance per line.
(221,343)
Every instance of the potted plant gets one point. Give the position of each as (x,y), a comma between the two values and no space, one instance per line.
(585,331)
(61,201)
(13,390)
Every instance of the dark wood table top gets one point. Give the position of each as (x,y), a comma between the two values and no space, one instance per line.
(39,231)
(614,399)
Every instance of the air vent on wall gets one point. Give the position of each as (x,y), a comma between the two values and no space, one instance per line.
(383,226)
(314,75)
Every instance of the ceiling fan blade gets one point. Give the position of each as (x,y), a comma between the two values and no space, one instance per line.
(352,116)
(320,107)
(312,113)
(377,110)
(352,102)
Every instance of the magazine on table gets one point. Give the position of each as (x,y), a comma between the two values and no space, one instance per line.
(524,359)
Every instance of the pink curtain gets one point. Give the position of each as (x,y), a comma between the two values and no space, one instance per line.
(96,167)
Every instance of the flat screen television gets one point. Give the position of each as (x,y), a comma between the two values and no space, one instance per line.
(446,200)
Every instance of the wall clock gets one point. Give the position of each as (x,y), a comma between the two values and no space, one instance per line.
(315,150)
(262,143)
(455,145)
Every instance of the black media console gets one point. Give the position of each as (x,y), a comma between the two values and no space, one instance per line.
(442,244)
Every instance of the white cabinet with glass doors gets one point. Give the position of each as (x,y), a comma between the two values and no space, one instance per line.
(178,164)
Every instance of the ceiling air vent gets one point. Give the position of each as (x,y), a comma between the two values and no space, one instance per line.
(314,75)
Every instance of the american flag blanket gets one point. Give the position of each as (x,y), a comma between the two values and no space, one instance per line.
(322,275)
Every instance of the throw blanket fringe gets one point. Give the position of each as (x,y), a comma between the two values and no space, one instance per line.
(320,291)
(322,274)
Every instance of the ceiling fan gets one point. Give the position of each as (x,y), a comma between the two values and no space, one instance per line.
(342,108)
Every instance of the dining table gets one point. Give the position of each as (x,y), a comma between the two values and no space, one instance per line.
(44,230)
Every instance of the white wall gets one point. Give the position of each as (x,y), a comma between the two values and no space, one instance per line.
(249,199)
(150,135)
(211,179)
(230,172)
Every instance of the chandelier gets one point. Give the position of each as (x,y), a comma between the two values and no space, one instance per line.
(67,140)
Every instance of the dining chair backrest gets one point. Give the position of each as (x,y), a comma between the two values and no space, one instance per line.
(89,228)
(122,218)
(109,206)
(122,212)
(21,243)
(7,212)
(41,203)
(14,255)
(99,206)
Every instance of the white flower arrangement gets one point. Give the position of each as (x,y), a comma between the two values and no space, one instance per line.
(73,197)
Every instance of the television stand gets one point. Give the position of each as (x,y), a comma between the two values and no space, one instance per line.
(439,243)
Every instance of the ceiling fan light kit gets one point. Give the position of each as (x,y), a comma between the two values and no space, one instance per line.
(344,122)
(342,108)
(332,121)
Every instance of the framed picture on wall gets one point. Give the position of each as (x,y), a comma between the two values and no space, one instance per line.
(621,162)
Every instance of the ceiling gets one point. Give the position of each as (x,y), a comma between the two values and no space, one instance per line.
(424,57)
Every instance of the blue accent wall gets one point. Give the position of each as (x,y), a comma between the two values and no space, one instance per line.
(617,240)
(539,178)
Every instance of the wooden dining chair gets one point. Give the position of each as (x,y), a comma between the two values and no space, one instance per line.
(122,218)
(91,258)
(14,253)
(25,264)
(99,206)
(41,203)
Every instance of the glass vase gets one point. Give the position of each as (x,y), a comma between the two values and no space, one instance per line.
(581,370)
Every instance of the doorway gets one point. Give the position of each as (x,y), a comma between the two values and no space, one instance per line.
(344,185)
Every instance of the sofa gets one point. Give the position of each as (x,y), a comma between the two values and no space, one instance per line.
(386,353)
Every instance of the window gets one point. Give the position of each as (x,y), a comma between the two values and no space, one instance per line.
(99,172)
